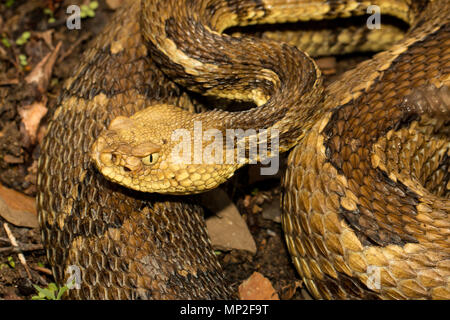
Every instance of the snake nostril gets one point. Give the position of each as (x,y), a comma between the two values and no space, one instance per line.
(114,158)
(126,169)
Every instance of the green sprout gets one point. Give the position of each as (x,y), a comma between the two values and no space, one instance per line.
(6,42)
(23,60)
(9,3)
(23,38)
(11,262)
(52,292)
(49,12)
(89,10)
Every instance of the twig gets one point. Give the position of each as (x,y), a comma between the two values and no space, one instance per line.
(72,47)
(8,82)
(43,270)
(21,248)
(13,240)
(4,240)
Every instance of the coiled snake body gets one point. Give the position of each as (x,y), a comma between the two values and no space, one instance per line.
(365,204)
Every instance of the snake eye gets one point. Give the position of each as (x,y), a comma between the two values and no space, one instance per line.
(150,159)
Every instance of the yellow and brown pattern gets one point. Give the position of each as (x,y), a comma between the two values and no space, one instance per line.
(366,187)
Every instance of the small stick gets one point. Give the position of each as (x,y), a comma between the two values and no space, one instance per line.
(14,243)
(22,247)
(72,47)
(4,240)
(43,270)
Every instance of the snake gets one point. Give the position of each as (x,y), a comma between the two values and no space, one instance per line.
(365,207)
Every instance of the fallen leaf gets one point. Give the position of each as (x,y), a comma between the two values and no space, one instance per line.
(17,208)
(227,230)
(257,287)
(31,117)
(46,36)
(287,292)
(41,74)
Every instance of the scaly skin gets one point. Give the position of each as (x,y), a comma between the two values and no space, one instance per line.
(352,203)
(362,216)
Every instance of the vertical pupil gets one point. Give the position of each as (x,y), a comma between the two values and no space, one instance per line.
(150,158)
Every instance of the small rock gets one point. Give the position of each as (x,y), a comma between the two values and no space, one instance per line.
(272,210)
(227,229)
(17,208)
(257,287)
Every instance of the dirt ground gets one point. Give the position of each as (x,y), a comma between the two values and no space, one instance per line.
(19,149)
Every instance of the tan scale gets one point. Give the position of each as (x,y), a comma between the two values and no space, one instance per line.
(365,204)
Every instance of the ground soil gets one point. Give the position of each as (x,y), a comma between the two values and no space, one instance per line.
(19,154)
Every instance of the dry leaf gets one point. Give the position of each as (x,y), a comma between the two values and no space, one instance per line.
(47,37)
(31,117)
(41,74)
(17,208)
(257,287)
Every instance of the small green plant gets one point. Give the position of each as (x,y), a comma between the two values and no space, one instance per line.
(89,10)
(11,262)
(6,42)
(9,3)
(52,292)
(50,14)
(23,60)
(23,38)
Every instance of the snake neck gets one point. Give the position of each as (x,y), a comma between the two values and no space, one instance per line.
(283,82)
(279,79)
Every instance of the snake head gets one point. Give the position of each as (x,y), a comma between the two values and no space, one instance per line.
(118,155)
(137,152)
